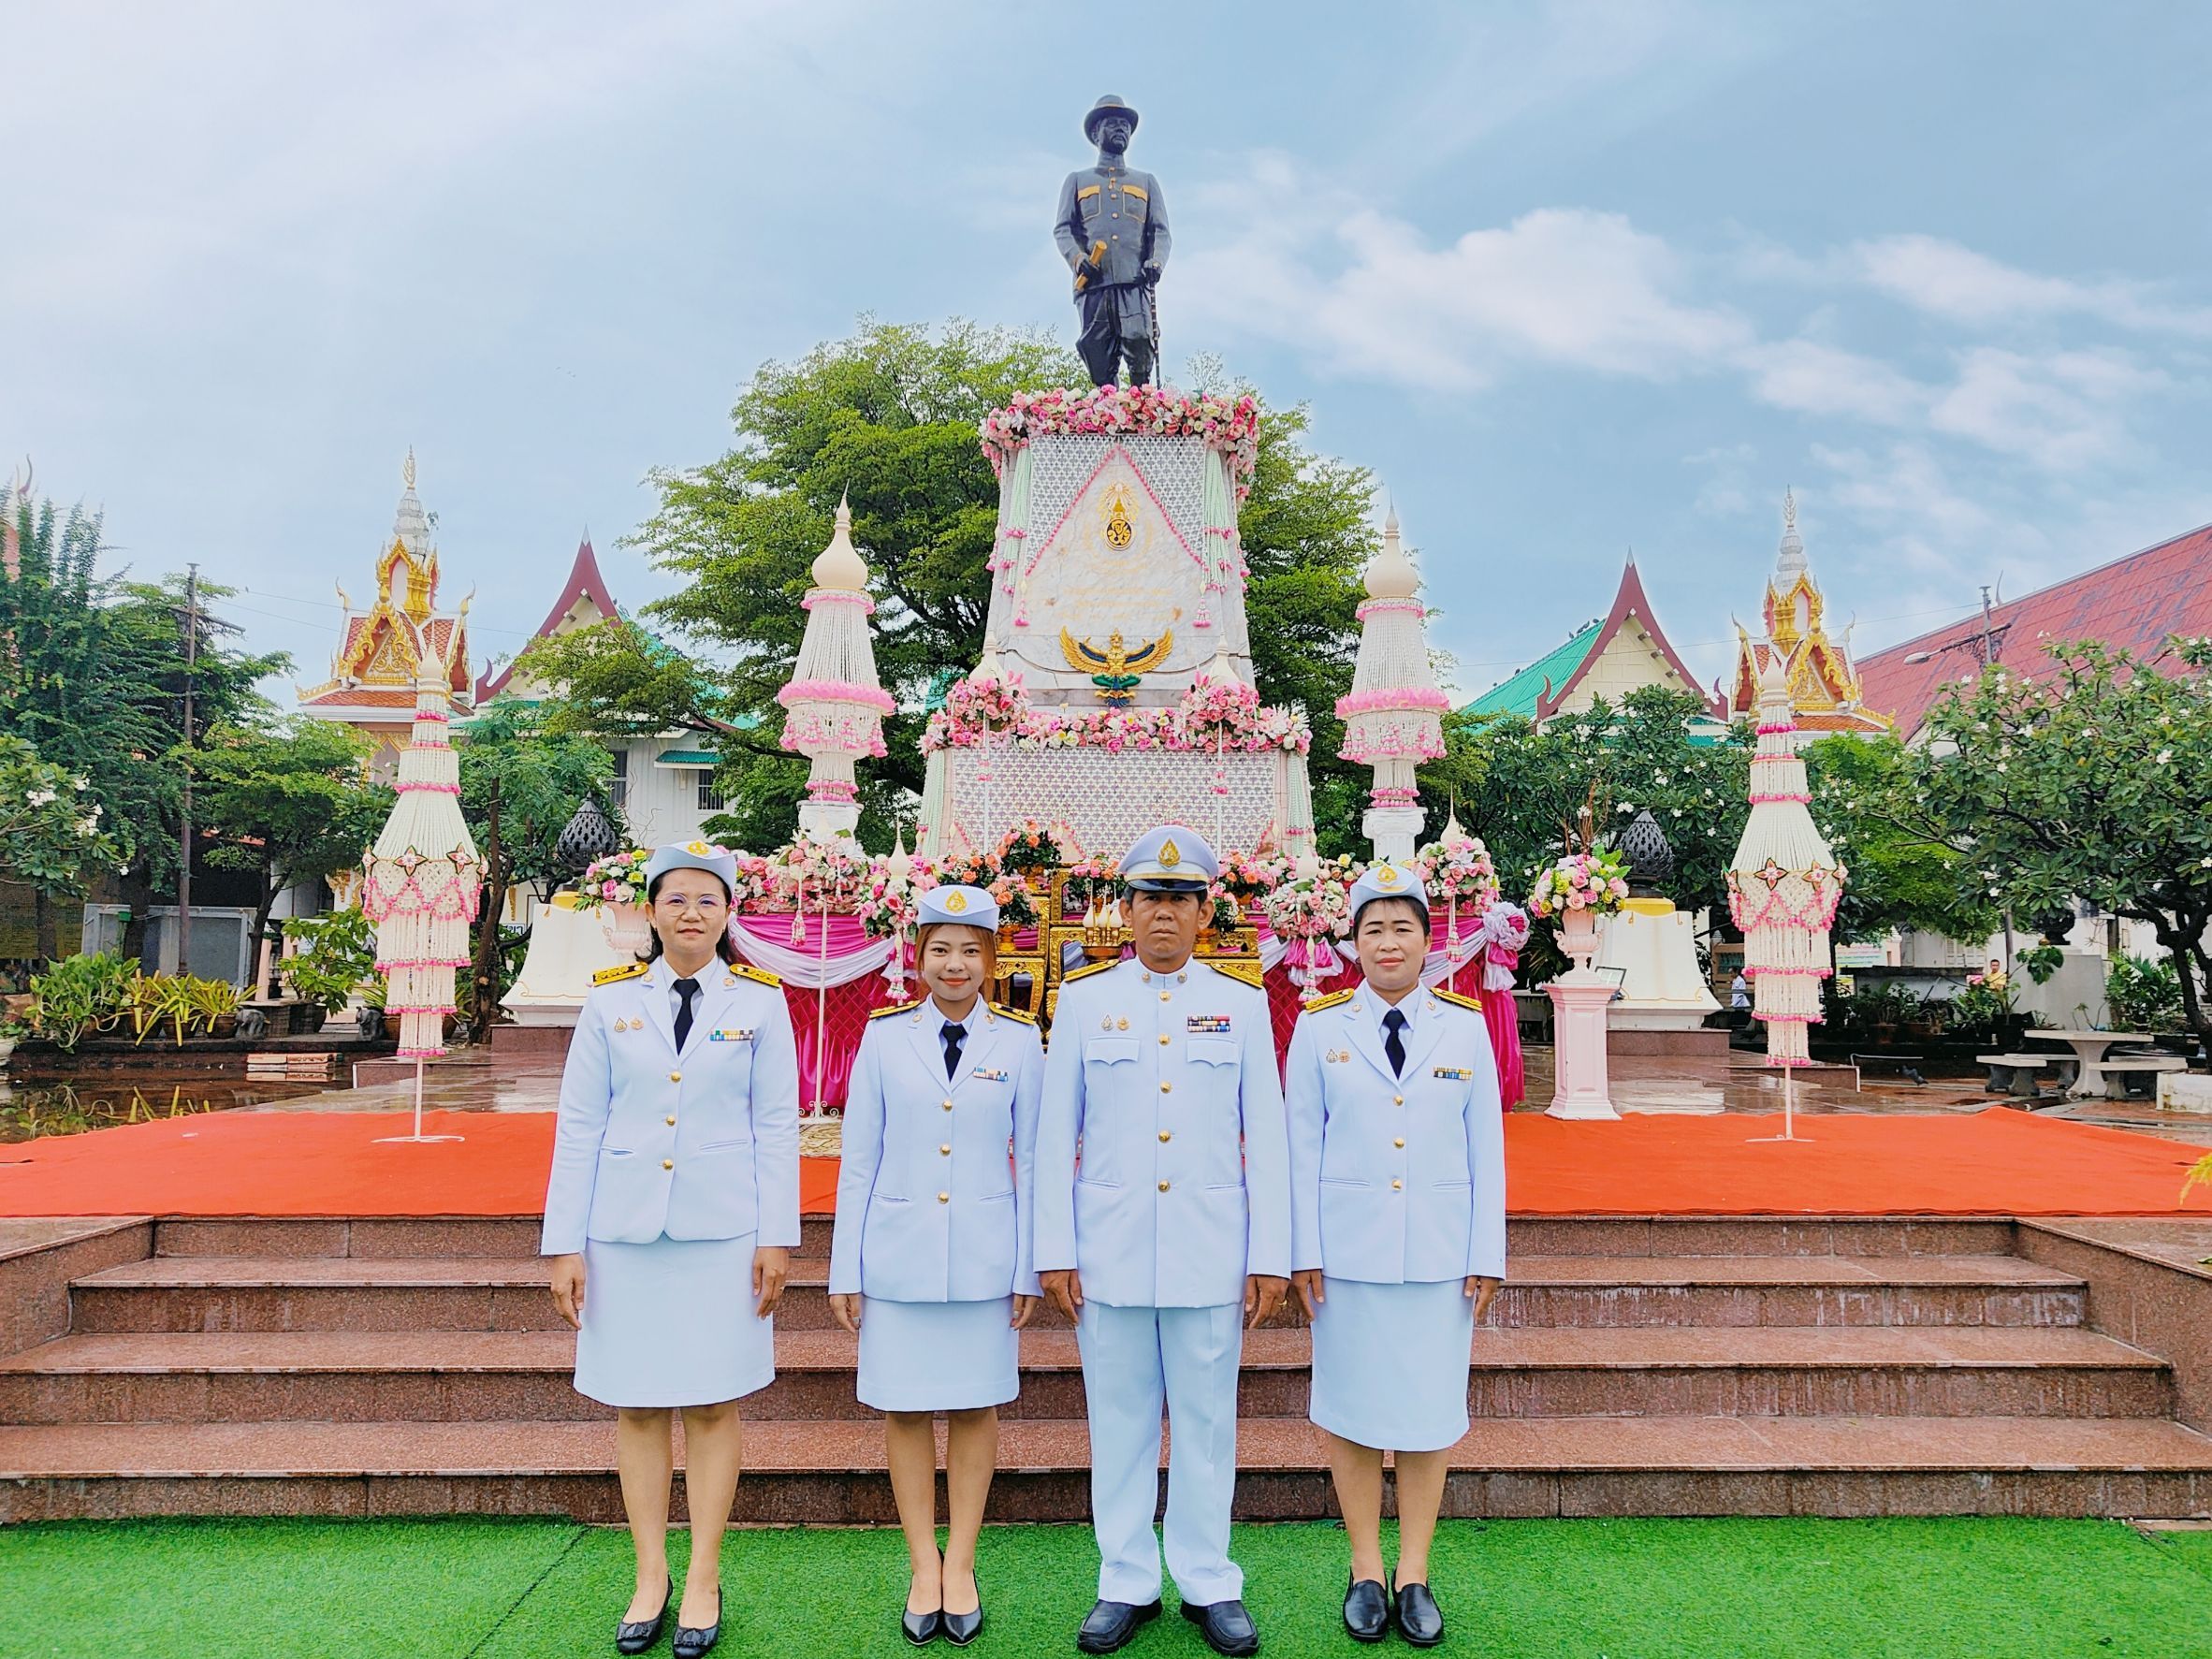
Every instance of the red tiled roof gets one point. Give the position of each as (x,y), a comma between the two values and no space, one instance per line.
(584,582)
(2131,603)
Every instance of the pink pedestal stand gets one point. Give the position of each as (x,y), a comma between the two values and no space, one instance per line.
(1579,999)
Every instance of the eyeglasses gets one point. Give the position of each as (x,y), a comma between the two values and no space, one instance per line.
(706,904)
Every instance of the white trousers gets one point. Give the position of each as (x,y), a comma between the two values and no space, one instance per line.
(1135,1360)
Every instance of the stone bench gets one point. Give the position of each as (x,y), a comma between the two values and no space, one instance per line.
(2119,1069)
(1860,1063)
(2014,1074)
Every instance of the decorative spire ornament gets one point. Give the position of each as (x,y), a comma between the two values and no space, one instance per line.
(1393,715)
(834,704)
(422,883)
(1783,886)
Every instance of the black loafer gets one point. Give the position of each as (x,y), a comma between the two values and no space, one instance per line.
(1420,1620)
(963,1628)
(635,1635)
(1227,1627)
(1112,1624)
(921,1628)
(691,1643)
(1367,1610)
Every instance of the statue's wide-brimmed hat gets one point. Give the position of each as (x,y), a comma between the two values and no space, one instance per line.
(1106,104)
(1173,858)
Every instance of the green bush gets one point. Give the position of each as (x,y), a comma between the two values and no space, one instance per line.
(2145,994)
(79,993)
(337,958)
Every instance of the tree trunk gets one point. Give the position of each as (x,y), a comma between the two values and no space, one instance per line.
(45,925)
(2181,947)
(485,1010)
(260,935)
(135,891)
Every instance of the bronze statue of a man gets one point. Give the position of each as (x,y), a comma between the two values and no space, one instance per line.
(1112,230)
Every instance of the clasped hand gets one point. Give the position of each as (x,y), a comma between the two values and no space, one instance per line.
(1263,1294)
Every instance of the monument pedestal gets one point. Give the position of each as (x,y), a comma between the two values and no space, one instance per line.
(1664,1000)
(1581,1087)
(567,946)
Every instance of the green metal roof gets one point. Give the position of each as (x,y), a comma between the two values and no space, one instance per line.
(1519,693)
(686,757)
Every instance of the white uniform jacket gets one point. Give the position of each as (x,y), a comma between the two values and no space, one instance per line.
(1396,1179)
(1167,1086)
(929,1206)
(701,1144)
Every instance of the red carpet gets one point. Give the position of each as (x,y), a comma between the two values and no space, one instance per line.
(1997,1162)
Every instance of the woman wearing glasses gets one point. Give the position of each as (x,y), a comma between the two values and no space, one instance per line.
(670,1218)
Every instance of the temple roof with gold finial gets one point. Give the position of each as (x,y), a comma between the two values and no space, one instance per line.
(372,671)
(1821,680)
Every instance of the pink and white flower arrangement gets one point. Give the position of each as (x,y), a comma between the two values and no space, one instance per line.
(1229,426)
(1118,731)
(810,875)
(1223,711)
(1034,846)
(1091,879)
(1309,913)
(619,878)
(1581,883)
(1459,872)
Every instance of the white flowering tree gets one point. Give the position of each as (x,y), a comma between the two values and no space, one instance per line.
(51,837)
(2089,783)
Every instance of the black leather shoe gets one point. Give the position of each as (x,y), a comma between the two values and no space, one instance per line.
(691,1643)
(1112,1624)
(921,1628)
(1420,1620)
(963,1628)
(1227,1627)
(635,1635)
(1367,1610)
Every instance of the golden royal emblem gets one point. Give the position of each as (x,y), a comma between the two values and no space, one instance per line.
(699,849)
(1385,876)
(1120,532)
(1170,854)
(957,902)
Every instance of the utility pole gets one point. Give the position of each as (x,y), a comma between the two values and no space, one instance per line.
(1989,640)
(184,831)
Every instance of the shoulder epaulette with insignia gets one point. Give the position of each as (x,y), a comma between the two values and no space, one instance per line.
(1334,1000)
(1023,1014)
(608,976)
(896,1008)
(1455,998)
(761,975)
(1244,973)
(1085,972)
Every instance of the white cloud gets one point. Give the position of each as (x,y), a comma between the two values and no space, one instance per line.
(1949,281)
(1816,379)
(2063,410)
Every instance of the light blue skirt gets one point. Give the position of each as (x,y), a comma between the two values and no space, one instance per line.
(938,1356)
(671,1323)
(1390,1363)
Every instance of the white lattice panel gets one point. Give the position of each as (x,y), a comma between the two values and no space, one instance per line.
(1109,800)
(1062,462)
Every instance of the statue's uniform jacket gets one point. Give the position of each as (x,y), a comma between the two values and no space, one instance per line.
(1123,209)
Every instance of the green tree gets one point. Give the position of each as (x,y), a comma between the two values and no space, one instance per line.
(1864,792)
(889,416)
(290,800)
(520,785)
(2089,783)
(50,826)
(93,674)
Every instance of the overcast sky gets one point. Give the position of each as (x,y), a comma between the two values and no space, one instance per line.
(1571,279)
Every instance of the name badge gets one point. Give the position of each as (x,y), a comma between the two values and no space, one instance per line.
(1457,1073)
(989,1074)
(1206,1025)
(732,1034)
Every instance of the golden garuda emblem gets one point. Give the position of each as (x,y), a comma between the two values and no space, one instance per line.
(1116,669)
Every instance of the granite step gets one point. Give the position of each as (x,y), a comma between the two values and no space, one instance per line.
(490,1376)
(831,1473)
(495,1293)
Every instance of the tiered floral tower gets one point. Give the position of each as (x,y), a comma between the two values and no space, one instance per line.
(834,704)
(1393,718)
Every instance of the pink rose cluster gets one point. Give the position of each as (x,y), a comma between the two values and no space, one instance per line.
(1229,723)
(1229,426)
(1593,883)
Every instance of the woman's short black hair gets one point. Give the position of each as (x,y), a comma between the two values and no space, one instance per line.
(725,947)
(1419,911)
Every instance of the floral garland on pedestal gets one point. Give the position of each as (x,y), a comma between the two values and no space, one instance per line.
(1229,426)
(1461,881)
(1308,913)
(1218,718)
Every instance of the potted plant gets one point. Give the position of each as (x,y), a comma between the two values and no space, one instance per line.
(2144,994)
(1576,890)
(80,996)
(336,960)
(615,887)
(12,1031)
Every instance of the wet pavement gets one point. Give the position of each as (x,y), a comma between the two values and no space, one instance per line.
(30,1111)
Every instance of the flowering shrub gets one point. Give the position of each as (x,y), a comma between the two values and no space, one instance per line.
(960,724)
(1581,883)
(1229,426)
(619,878)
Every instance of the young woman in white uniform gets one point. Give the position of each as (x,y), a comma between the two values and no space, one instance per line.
(670,1218)
(931,1258)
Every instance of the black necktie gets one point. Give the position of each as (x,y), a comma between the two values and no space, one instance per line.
(687,989)
(1394,1042)
(955,1035)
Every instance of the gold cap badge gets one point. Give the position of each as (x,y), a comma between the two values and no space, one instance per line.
(1386,875)
(1170,854)
(699,849)
(957,902)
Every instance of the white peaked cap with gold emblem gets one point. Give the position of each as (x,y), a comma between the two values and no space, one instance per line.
(1173,858)
(970,907)
(694,855)
(1388,881)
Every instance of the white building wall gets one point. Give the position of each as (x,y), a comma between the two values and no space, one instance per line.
(1629,661)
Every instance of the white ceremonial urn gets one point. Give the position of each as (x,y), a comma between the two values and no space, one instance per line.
(1579,997)
(628,932)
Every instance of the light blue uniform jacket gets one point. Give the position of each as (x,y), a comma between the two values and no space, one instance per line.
(1168,1084)
(701,1144)
(1396,1179)
(929,1207)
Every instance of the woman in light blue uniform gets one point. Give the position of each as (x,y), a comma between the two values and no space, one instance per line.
(671,1215)
(931,1258)
(1398,1224)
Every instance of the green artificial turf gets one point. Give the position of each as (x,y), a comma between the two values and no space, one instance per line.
(1911,1589)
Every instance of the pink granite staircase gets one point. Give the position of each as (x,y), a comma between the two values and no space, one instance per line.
(1635,1366)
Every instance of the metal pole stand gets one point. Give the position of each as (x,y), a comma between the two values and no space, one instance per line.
(418,1138)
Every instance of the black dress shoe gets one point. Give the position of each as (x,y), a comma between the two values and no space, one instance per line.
(635,1635)
(1112,1624)
(689,1642)
(1367,1610)
(1227,1627)
(1420,1620)
(963,1628)
(921,1628)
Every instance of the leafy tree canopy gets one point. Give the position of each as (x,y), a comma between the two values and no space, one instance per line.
(1863,791)
(50,826)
